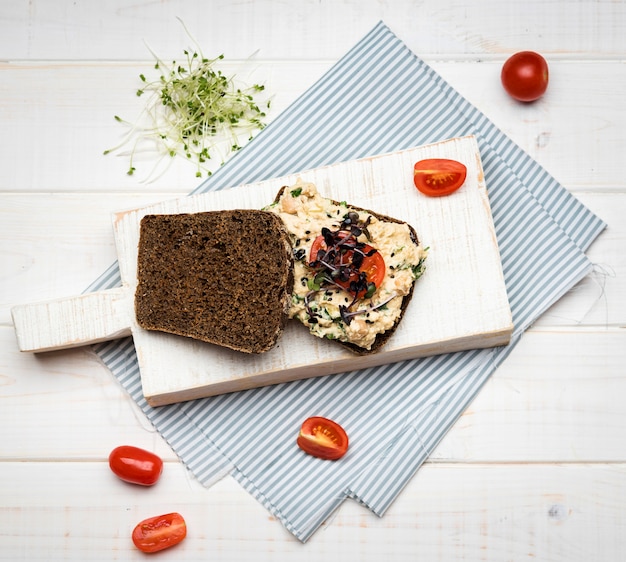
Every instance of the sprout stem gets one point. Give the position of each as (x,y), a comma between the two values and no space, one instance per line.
(193,110)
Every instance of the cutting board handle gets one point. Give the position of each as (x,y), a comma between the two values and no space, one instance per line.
(73,321)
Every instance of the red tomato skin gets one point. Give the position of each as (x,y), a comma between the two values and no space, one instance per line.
(437,177)
(332,444)
(135,465)
(374,266)
(525,76)
(160,532)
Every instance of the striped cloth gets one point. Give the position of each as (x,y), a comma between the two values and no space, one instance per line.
(378,98)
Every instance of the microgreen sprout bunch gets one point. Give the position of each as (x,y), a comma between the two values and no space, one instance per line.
(195,111)
(338,266)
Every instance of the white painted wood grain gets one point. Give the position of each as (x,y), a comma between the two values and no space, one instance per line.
(306,29)
(486,512)
(558,397)
(570,131)
(550,422)
(79,245)
(544,404)
(74,321)
(56,244)
(462,299)
(66,404)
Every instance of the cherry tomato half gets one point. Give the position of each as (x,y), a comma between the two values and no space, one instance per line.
(525,76)
(160,532)
(436,177)
(323,438)
(135,465)
(373,266)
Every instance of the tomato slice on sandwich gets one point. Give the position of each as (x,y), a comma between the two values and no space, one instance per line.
(369,262)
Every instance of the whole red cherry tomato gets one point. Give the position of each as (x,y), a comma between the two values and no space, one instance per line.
(160,532)
(135,465)
(525,76)
(436,177)
(323,438)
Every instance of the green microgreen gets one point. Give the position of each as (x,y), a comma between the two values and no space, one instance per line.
(194,110)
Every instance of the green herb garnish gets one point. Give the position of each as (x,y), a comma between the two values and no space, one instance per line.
(193,110)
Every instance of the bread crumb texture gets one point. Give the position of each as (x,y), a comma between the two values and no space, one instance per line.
(223,277)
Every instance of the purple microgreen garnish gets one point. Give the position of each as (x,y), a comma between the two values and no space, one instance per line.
(348,315)
(340,262)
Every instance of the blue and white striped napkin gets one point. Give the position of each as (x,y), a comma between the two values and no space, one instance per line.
(378,98)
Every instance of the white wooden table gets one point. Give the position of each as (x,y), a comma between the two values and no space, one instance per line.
(535,469)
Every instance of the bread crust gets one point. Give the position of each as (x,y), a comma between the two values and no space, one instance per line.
(382,338)
(223,277)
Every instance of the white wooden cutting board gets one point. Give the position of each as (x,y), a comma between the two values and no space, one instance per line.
(460,302)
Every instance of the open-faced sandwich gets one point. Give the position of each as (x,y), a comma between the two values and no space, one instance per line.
(354,269)
(233,278)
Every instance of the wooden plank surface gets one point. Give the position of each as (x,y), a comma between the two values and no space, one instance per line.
(480,511)
(83,96)
(533,470)
(460,304)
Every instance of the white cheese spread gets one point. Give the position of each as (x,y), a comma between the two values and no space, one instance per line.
(305,212)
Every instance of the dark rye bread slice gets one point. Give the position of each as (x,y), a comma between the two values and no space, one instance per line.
(223,277)
(382,338)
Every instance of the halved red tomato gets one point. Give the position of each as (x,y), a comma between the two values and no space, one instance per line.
(160,532)
(323,438)
(373,265)
(436,177)
(135,465)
